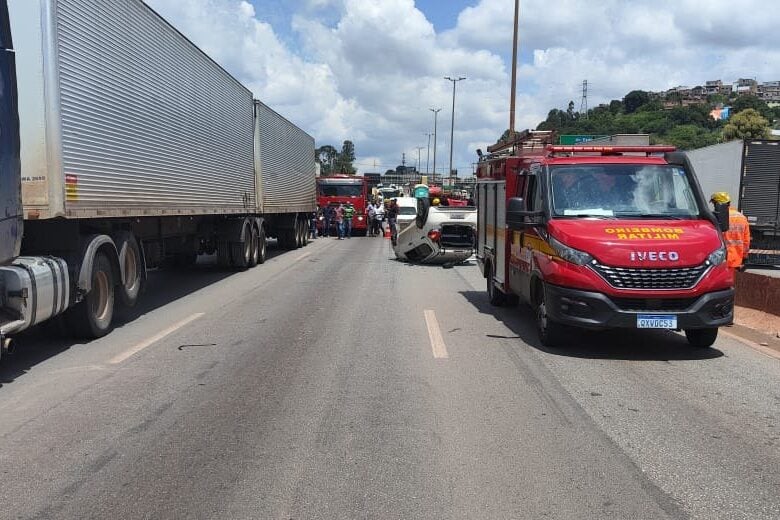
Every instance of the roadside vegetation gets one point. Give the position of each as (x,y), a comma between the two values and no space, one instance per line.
(334,162)
(685,126)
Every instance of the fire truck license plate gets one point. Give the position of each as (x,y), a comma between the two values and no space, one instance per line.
(656,321)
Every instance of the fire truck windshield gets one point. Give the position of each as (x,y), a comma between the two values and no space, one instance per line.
(622,190)
(341,190)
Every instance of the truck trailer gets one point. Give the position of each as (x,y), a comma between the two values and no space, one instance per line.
(135,150)
(749,171)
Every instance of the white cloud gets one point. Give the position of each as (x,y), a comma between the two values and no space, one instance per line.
(368,70)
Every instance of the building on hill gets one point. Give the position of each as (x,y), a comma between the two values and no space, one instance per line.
(713,87)
(746,86)
(769,91)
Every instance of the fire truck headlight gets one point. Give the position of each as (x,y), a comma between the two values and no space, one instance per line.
(570,254)
(718,256)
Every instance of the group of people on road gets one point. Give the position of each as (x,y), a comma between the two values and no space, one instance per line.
(341,215)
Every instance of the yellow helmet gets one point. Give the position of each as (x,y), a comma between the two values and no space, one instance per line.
(436,202)
(720,197)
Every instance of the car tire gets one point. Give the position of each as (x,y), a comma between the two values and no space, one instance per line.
(551,333)
(701,338)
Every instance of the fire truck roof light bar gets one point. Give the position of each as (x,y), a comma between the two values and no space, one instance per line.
(608,150)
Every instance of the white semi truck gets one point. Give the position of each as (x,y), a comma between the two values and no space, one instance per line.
(134,150)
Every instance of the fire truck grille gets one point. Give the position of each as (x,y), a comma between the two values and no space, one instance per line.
(659,279)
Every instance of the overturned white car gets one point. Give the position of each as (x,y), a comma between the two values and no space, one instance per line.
(439,234)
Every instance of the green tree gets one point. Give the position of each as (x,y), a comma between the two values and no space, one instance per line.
(688,137)
(747,124)
(570,111)
(634,100)
(615,106)
(745,102)
(326,155)
(342,163)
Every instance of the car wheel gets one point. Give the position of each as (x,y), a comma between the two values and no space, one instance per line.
(550,332)
(701,338)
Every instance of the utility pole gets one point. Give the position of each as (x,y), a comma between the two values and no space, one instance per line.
(514,74)
(418,156)
(428,157)
(452,128)
(435,117)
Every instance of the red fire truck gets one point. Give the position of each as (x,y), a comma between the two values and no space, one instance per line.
(343,189)
(602,237)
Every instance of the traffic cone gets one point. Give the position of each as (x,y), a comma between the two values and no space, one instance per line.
(387,232)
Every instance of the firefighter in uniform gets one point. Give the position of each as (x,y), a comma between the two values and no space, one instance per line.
(738,236)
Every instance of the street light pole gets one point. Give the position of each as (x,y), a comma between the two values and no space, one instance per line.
(435,117)
(452,128)
(418,148)
(428,156)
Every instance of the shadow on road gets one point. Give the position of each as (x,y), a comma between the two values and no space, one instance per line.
(614,344)
(163,287)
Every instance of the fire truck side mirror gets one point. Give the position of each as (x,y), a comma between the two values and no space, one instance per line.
(518,216)
(722,215)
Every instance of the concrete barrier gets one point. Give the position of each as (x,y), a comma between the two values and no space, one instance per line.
(758,291)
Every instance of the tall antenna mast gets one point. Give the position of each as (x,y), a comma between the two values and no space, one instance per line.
(584,102)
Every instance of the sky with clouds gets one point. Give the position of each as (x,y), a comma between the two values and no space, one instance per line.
(369,70)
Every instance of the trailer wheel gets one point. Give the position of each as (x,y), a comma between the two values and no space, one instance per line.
(262,250)
(303,233)
(495,296)
(241,252)
(255,255)
(92,317)
(130,259)
(701,338)
(298,239)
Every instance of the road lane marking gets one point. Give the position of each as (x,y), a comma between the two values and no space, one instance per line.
(434,334)
(154,339)
(304,255)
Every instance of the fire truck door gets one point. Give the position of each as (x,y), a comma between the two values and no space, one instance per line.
(523,242)
(500,232)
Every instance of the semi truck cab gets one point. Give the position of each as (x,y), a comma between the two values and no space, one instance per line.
(602,237)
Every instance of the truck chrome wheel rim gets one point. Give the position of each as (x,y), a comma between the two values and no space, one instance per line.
(131,270)
(100,299)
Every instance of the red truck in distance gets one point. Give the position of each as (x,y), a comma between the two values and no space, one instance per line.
(602,237)
(343,189)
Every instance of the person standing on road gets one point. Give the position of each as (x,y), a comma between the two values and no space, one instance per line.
(392,218)
(313,223)
(738,235)
(349,213)
(371,212)
(327,217)
(379,209)
(339,218)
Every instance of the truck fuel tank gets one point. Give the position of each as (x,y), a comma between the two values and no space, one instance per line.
(34,289)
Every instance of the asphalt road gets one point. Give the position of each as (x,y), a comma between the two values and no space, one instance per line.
(334,382)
